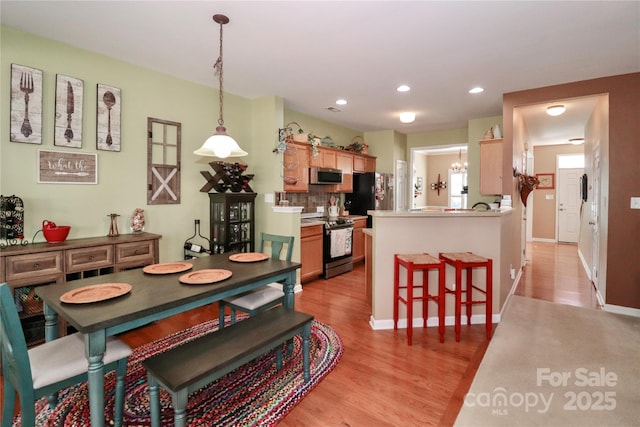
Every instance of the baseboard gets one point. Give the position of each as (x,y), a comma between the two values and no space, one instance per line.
(537,239)
(587,271)
(385,324)
(618,309)
(585,266)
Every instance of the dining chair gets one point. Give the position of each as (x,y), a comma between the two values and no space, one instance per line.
(45,369)
(267,296)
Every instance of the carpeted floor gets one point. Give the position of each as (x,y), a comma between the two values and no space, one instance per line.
(557,365)
(256,394)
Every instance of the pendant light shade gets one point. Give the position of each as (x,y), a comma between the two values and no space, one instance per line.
(220,144)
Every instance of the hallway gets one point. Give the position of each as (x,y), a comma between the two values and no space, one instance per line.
(556,274)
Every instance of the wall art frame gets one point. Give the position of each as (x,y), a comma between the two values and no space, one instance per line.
(108,113)
(546,181)
(26,104)
(68,118)
(67,167)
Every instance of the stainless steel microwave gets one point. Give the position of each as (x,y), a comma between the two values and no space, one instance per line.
(325,176)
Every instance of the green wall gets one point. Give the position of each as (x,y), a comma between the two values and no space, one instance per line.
(339,134)
(122,176)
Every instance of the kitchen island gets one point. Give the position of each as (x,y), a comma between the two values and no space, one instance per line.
(432,231)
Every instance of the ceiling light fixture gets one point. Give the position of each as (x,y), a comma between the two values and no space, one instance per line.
(459,166)
(576,141)
(556,110)
(476,89)
(407,117)
(403,88)
(220,144)
(341,102)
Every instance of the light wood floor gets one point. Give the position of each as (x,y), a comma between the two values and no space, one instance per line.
(381,381)
(555,273)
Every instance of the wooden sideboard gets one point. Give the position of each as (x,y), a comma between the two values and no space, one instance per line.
(39,264)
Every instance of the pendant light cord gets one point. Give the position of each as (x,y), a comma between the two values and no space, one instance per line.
(218,67)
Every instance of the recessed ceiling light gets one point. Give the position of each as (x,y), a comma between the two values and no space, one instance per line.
(333,109)
(476,89)
(407,117)
(341,102)
(556,110)
(403,88)
(576,141)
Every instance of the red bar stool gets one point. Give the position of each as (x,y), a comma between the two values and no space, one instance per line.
(424,263)
(468,261)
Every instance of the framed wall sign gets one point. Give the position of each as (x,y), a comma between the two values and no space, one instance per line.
(26,104)
(108,118)
(69,100)
(547,181)
(67,167)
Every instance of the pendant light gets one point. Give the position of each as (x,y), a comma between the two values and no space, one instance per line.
(220,144)
(459,166)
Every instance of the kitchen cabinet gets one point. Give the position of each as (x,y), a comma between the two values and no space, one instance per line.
(42,264)
(491,167)
(344,162)
(311,252)
(296,164)
(232,223)
(363,163)
(358,249)
(326,158)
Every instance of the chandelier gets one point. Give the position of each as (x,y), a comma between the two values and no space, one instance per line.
(220,144)
(459,166)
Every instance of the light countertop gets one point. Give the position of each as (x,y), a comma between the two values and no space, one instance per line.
(441,212)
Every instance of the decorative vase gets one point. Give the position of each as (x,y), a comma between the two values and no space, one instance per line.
(137,221)
(497,134)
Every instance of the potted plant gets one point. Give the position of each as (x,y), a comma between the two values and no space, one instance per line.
(358,145)
(298,136)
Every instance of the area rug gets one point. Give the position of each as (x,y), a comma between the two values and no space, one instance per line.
(256,394)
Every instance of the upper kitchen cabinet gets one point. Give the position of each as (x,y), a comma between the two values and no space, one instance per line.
(363,163)
(491,167)
(326,158)
(295,168)
(344,162)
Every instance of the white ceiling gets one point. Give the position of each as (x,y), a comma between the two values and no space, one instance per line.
(311,53)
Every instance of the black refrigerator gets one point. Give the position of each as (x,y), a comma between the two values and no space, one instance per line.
(371,191)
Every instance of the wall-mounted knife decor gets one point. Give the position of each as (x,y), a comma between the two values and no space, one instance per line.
(68,119)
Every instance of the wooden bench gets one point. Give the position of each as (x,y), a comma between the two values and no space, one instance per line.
(189,367)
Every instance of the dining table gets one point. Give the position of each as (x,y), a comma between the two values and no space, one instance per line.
(151,296)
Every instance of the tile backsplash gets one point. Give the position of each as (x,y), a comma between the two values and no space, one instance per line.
(309,201)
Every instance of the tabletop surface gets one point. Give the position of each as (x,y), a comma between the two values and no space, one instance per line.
(153,293)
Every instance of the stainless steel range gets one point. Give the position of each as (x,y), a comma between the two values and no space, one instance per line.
(337,247)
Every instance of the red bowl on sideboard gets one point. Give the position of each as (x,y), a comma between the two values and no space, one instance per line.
(54,233)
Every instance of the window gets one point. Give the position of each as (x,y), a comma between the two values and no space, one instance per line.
(457,189)
(570,161)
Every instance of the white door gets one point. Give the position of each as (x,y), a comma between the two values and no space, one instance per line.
(568,194)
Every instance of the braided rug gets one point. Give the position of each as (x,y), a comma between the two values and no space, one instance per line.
(256,394)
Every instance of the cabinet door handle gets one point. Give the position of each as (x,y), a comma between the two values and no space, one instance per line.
(90,257)
(36,265)
(135,252)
